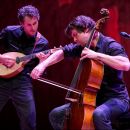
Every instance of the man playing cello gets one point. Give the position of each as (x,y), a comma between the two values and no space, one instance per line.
(112,98)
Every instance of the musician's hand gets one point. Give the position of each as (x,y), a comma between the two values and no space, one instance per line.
(88,53)
(8,62)
(41,56)
(37,71)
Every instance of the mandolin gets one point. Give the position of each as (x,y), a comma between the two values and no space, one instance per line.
(21,60)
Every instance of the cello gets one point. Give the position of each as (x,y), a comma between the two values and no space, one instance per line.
(87,79)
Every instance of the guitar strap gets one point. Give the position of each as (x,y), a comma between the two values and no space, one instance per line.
(37,38)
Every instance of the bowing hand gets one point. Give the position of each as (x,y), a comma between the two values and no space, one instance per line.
(37,71)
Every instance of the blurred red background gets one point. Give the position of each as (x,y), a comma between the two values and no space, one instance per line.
(55,15)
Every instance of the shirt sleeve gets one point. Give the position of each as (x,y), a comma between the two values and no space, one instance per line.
(3,38)
(115,49)
(3,34)
(72,50)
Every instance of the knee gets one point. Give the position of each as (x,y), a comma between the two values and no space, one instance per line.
(98,115)
(54,114)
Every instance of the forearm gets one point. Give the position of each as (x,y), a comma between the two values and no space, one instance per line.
(54,58)
(117,62)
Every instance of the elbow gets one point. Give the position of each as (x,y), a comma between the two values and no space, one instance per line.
(126,67)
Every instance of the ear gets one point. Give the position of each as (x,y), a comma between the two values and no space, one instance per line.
(86,30)
(21,22)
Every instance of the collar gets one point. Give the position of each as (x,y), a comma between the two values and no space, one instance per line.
(99,43)
(28,37)
(95,41)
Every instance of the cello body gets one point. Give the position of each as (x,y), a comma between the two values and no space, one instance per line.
(82,106)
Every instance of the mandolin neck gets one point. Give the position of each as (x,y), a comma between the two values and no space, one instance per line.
(29,57)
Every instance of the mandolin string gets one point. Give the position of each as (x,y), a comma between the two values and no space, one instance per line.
(31,56)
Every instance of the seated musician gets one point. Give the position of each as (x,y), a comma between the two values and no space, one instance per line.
(112,97)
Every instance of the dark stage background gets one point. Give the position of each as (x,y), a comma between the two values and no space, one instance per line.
(55,15)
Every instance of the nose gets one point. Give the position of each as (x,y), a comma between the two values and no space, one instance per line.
(32,27)
(75,39)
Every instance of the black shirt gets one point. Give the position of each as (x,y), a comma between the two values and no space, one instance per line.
(112,84)
(14,39)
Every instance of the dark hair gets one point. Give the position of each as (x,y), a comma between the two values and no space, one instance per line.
(80,23)
(28,10)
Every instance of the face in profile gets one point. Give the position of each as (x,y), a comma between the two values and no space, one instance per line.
(30,25)
(80,37)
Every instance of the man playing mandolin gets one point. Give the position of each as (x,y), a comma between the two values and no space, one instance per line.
(24,39)
(112,98)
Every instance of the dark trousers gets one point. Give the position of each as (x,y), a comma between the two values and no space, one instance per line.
(19,90)
(102,116)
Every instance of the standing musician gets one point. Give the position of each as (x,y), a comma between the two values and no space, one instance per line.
(26,39)
(112,97)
